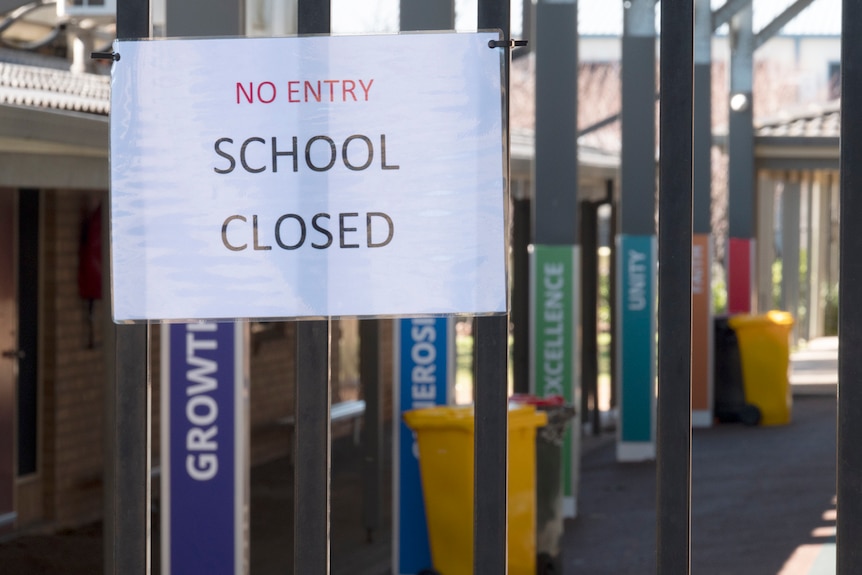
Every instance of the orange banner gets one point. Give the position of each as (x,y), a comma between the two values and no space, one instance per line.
(701,323)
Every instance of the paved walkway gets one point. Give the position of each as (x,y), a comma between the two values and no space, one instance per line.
(762,498)
(762,503)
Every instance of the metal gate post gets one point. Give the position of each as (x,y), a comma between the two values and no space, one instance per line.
(127,405)
(312,436)
(491,411)
(673,452)
(849,523)
(372,425)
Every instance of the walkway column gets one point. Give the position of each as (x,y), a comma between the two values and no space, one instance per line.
(701,248)
(636,243)
(555,260)
(740,254)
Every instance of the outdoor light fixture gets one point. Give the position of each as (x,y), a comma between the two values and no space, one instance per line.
(739,102)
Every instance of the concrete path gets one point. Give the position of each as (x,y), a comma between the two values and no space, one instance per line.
(763,503)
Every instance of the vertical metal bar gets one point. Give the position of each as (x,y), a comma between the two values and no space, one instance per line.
(701,222)
(849,524)
(520,313)
(372,430)
(427,15)
(555,198)
(133,19)
(612,290)
(313,16)
(127,418)
(312,437)
(490,503)
(638,120)
(127,516)
(223,18)
(673,454)
(589,314)
(312,448)
(491,444)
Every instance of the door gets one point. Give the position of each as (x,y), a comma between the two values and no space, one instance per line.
(8,357)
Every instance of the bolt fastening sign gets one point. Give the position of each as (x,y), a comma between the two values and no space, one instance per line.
(307,177)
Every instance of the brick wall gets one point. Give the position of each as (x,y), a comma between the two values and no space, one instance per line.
(73,377)
(72,370)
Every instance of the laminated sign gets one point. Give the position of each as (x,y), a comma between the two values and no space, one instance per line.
(308,177)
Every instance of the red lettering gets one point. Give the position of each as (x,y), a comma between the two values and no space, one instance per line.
(249,96)
(347,87)
(291,90)
(309,89)
(332,84)
(260,92)
(366,88)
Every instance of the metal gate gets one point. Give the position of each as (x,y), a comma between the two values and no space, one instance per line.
(127,488)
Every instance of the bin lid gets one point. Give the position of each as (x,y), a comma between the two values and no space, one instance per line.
(462,417)
(773,317)
(529,399)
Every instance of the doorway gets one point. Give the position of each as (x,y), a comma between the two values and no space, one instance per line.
(8,356)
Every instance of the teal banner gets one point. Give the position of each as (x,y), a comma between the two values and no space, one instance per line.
(636,350)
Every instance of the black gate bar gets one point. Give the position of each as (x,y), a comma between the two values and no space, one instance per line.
(849,472)
(491,411)
(673,450)
(127,455)
(312,435)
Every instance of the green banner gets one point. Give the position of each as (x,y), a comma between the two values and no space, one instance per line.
(553,319)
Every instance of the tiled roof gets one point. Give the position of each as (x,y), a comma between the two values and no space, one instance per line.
(816,121)
(42,83)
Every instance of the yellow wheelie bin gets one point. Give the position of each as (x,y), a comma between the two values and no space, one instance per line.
(764,351)
(445,439)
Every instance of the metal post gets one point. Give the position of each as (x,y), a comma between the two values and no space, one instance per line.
(223,18)
(312,449)
(520,315)
(491,444)
(589,314)
(490,500)
(849,526)
(555,196)
(372,430)
(673,454)
(740,163)
(427,15)
(313,16)
(312,438)
(127,413)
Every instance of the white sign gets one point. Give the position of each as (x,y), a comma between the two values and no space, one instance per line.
(307,177)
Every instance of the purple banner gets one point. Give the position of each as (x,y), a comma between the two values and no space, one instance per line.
(200,487)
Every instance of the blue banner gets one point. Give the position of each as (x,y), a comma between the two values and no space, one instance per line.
(636,360)
(423,375)
(200,481)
